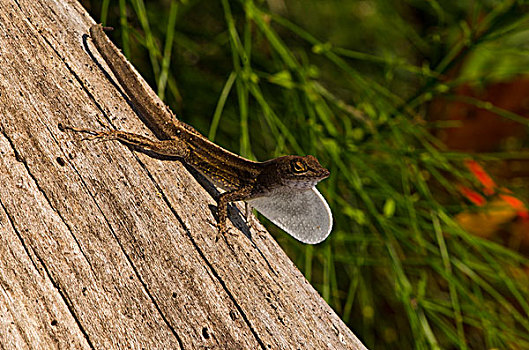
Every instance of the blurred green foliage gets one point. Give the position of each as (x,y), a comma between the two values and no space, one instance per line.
(350,82)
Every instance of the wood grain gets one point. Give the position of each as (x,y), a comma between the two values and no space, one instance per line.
(103,247)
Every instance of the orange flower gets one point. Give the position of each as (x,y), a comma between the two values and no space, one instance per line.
(472,196)
(482,176)
(516,204)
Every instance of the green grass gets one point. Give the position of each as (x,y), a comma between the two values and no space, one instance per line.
(350,82)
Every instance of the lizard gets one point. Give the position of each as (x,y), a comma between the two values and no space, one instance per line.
(282,189)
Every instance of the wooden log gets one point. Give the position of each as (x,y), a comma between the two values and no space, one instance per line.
(103,247)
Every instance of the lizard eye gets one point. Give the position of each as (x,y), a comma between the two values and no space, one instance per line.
(298,166)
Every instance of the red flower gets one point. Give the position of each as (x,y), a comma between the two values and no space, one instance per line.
(518,205)
(472,196)
(482,176)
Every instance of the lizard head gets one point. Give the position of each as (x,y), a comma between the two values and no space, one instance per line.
(300,172)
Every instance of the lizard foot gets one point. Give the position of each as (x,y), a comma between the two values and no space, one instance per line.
(98,135)
(222,230)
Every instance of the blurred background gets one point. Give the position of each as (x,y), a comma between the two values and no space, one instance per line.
(419,110)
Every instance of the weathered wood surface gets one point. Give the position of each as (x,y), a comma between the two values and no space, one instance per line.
(103,247)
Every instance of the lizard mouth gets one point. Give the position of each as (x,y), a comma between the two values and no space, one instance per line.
(309,181)
(304,184)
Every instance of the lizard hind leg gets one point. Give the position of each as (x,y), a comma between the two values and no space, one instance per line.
(99,135)
(93,134)
(172,147)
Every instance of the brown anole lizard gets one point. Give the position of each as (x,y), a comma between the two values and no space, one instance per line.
(282,189)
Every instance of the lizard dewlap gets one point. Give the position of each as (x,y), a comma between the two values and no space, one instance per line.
(305,215)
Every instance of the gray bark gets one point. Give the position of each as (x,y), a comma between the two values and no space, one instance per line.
(103,247)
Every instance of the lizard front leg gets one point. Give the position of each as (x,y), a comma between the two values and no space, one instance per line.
(222,207)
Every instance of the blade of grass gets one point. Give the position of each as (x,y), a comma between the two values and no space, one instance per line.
(452,290)
(168,48)
(220,105)
(104,11)
(125,36)
(141,12)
